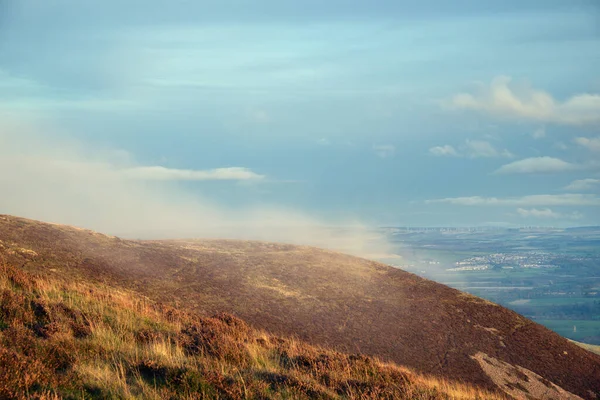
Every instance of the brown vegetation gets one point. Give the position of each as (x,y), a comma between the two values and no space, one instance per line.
(322,297)
(75,340)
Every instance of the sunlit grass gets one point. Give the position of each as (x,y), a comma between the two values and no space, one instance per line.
(70,339)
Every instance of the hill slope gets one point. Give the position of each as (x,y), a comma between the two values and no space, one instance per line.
(75,340)
(323,297)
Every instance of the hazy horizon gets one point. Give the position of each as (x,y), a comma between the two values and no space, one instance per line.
(197,119)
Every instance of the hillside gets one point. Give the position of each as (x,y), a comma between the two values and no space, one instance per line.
(75,340)
(323,298)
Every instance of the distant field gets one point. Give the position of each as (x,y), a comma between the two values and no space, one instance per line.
(560,301)
(509,273)
(465,277)
(585,329)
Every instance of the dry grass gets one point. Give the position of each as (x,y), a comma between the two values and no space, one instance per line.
(72,340)
(328,299)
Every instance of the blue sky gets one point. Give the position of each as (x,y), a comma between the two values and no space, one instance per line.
(379,113)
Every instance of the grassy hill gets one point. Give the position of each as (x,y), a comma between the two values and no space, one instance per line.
(76,340)
(323,298)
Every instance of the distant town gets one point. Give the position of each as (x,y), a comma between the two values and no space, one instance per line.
(506,261)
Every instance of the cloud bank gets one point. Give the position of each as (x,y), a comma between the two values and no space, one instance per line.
(59,180)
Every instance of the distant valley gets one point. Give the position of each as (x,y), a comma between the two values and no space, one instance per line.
(549,275)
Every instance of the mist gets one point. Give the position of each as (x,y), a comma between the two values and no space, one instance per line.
(53,178)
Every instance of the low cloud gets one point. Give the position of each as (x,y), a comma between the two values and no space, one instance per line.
(504,99)
(471,149)
(583,184)
(169,174)
(571,199)
(592,144)
(537,165)
(384,150)
(59,180)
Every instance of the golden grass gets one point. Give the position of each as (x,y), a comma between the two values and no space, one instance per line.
(73,340)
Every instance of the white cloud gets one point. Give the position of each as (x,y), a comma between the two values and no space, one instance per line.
(481,148)
(505,100)
(384,150)
(546,213)
(583,184)
(158,173)
(539,133)
(571,199)
(471,149)
(537,165)
(593,144)
(446,150)
(538,213)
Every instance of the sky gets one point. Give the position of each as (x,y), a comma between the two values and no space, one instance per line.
(204,118)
